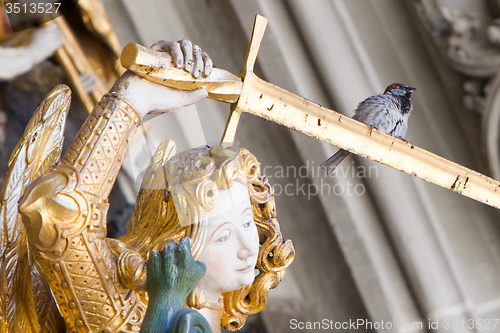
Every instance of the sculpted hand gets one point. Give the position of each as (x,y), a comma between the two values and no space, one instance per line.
(173,273)
(186,56)
(149,97)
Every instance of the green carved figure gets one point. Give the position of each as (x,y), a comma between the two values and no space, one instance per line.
(172,276)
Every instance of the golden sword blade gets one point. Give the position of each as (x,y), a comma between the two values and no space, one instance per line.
(273,103)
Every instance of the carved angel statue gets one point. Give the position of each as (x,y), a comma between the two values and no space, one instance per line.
(204,209)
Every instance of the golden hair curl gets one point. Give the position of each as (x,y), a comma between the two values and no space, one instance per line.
(195,177)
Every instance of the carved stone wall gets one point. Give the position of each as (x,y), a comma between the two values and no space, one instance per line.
(400,250)
(466,36)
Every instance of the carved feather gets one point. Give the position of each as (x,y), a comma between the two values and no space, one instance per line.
(26,303)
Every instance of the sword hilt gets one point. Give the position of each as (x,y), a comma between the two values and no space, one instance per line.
(157,67)
(259,27)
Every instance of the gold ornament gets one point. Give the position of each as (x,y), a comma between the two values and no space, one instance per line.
(59,247)
(27,305)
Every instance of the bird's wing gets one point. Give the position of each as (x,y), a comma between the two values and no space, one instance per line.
(382,113)
(26,302)
(400,127)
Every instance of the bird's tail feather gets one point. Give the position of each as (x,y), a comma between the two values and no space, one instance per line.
(330,164)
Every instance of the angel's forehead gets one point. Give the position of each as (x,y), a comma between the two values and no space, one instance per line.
(227,200)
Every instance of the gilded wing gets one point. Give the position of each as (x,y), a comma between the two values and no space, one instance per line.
(26,303)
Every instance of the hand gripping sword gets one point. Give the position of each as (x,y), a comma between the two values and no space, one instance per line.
(249,93)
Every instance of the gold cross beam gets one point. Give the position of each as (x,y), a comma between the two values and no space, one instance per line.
(251,94)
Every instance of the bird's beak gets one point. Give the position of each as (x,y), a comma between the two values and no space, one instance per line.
(411,89)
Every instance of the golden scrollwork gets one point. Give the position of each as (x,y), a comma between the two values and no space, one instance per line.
(274,255)
(98,284)
(195,176)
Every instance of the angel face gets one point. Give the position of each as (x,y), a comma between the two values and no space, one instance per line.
(232,245)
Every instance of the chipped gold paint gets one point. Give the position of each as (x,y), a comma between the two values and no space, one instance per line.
(275,104)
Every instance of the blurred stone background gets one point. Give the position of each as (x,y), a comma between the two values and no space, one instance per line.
(371,243)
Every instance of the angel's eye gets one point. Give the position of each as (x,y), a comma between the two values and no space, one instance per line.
(247,221)
(224,237)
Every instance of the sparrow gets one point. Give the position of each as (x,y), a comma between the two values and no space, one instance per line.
(387,112)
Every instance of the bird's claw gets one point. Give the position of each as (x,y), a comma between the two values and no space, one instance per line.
(372,128)
(401,138)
